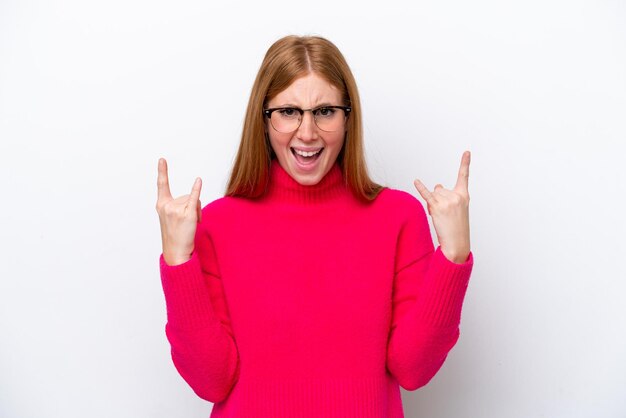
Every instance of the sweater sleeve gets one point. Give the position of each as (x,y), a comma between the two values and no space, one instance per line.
(428,294)
(203,348)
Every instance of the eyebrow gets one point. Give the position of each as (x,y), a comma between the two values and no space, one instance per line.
(314,107)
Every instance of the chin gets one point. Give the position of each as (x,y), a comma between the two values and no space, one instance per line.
(309,181)
(306,179)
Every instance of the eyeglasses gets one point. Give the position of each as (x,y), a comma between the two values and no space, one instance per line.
(327,118)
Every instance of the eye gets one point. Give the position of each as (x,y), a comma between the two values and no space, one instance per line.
(326,112)
(288,112)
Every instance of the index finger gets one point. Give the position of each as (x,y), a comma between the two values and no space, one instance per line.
(163,184)
(462,179)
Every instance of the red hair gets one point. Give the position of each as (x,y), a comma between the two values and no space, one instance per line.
(286,60)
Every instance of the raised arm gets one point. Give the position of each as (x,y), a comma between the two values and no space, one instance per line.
(428,296)
(430,284)
(198,327)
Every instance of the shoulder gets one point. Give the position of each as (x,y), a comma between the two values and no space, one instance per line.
(222,210)
(221,205)
(400,203)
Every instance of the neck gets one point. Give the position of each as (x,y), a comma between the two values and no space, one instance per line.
(285,188)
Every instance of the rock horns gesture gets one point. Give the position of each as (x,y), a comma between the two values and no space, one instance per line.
(449,210)
(178,218)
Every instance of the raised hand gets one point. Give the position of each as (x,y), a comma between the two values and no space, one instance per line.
(178,218)
(449,210)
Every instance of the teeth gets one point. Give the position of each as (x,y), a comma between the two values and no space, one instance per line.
(306,154)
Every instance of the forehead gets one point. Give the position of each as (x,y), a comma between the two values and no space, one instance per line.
(308,91)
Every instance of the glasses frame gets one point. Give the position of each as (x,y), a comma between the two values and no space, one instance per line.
(268,113)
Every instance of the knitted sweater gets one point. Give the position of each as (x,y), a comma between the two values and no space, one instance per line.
(307,302)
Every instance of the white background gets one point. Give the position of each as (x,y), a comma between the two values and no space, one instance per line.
(93,93)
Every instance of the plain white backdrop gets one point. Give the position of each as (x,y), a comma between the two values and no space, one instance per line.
(93,93)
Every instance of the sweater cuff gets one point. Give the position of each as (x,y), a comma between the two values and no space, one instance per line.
(444,290)
(186,293)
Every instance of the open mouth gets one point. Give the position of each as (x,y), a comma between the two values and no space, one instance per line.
(306,159)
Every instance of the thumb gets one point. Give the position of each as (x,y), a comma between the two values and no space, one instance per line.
(199,211)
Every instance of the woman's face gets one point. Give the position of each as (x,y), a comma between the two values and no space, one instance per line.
(307,92)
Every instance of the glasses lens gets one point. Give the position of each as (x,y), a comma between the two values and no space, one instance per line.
(330,119)
(285,120)
(327,119)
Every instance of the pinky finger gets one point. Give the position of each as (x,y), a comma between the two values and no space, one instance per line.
(423,191)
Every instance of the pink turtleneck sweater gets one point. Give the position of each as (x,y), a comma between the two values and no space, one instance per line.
(309,303)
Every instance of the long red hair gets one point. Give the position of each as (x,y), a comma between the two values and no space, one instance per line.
(286,60)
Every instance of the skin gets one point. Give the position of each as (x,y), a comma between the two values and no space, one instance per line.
(307,92)
(178,218)
(449,210)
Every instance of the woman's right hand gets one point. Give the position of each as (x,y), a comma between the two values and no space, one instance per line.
(178,218)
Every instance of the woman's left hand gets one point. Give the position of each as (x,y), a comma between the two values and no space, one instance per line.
(449,210)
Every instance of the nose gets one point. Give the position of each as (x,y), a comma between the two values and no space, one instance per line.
(308,128)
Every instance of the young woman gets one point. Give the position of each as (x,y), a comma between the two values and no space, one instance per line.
(307,289)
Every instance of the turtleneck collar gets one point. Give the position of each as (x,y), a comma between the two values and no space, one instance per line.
(285,188)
